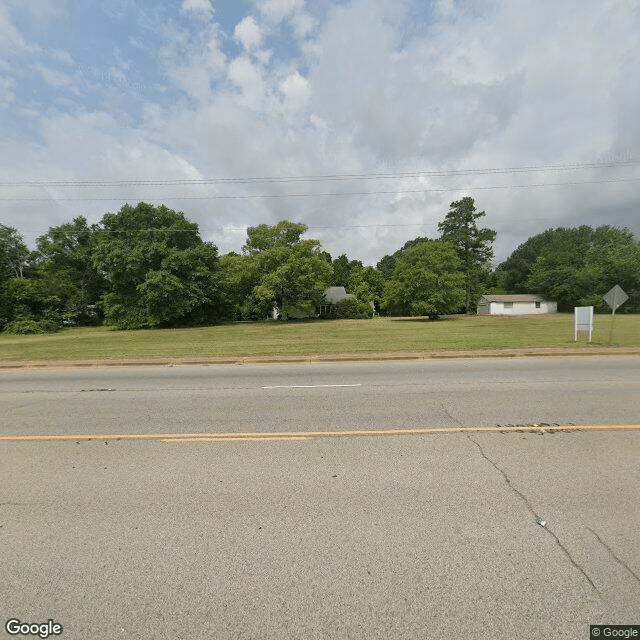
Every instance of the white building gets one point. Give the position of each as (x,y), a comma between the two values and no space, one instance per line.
(515,304)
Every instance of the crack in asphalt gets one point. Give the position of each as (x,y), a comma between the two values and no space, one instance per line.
(532,511)
(456,422)
(614,556)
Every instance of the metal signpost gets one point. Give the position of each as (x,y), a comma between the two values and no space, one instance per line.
(614,298)
(583,321)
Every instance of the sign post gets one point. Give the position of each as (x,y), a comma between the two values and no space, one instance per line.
(583,321)
(615,297)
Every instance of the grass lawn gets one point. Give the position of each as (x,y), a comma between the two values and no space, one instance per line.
(320,337)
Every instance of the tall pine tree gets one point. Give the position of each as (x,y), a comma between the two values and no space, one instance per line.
(473,245)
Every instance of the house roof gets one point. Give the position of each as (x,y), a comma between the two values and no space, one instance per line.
(513,297)
(335,294)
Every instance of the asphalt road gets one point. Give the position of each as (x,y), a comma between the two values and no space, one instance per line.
(404,536)
(223,398)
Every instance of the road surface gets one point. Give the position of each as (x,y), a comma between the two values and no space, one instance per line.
(223,398)
(421,535)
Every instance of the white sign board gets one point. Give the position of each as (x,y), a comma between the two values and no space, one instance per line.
(583,320)
(615,297)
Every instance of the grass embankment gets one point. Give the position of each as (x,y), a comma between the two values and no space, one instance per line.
(320,337)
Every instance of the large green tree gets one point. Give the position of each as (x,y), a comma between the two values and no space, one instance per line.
(160,272)
(343,268)
(29,302)
(14,254)
(264,236)
(367,284)
(293,277)
(63,261)
(513,274)
(387,263)
(427,281)
(278,270)
(577,266)
(473,245)
(21,298)
(238,276)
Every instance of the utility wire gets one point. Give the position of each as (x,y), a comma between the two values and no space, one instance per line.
(321,195)
(322,178)
(155,230)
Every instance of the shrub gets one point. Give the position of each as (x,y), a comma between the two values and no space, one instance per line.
(26,327)
(352,308)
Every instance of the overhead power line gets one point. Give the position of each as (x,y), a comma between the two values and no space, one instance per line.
(223,228)
(322,177)
(319,194)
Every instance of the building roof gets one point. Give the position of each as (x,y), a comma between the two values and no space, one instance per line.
(335,294)
(513,297)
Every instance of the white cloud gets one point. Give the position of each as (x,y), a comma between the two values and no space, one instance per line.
(296,91)
(302,24)
(194,61)
(11,40)
(249,79)
(138,43)
(248,33)
(444,8)
(6,91)
(200,8)
(61,56)
(86,145)
(40,12)
(363,88)
(53,77)
(277,10)
(263,56)
(390,104)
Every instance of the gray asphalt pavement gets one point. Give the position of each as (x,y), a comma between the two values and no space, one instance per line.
(225,398)
(413,536)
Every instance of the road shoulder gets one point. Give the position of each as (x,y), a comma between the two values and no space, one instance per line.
(320,358)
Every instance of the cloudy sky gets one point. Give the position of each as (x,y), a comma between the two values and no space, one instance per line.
(364,119)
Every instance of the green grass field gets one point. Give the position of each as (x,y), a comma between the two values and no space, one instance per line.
(320,337)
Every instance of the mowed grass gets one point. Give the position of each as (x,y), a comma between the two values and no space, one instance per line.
(320,337)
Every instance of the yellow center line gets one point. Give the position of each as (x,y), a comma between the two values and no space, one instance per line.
(241,439)
(306,435)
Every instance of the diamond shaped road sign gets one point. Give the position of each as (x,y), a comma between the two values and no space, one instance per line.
(615,297)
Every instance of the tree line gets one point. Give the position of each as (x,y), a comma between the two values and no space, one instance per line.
(147,266)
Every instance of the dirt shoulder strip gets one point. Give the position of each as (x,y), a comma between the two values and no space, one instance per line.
(319,358)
